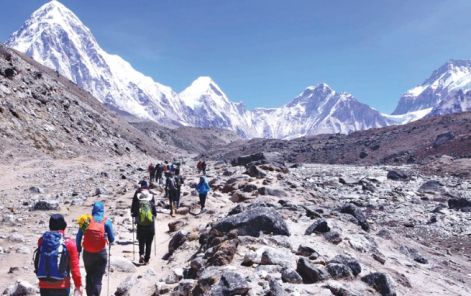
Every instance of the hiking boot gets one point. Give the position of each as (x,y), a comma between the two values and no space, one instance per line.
(172,211)
(141,260)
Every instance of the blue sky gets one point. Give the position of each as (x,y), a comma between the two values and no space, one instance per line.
(266,52)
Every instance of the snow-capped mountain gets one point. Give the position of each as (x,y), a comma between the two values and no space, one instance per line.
(442,86)
(55,37)
(458,102)
(317,110)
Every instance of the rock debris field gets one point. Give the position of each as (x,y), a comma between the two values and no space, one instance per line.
(270,228)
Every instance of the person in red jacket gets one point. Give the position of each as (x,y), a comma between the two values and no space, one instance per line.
(48,287)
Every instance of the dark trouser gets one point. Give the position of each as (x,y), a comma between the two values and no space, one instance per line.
(173,198)
(151,177)
(54,292)
(203,199)
(145,236)
(177,198)
(95,267)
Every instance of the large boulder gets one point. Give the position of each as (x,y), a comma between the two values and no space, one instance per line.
(431,186)
(443,139)
(381,282)
(460,203)
(310,273)
(20,288)
(224,253)
(232,283)
(254,220)
(398,175)
(177,240)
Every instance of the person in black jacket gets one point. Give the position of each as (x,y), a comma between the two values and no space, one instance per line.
(143,212)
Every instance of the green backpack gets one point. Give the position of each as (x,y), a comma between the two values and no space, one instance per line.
(145,212)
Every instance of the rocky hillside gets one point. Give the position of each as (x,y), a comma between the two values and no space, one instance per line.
(42,112)
(416,142)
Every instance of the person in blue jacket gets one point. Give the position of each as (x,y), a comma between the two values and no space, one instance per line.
(95,258)
(203,188)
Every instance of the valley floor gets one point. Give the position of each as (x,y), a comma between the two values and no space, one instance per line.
(425,245)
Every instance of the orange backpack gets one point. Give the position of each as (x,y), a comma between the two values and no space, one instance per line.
(94,239)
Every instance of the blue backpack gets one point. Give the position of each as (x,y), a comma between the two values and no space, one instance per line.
(51,259)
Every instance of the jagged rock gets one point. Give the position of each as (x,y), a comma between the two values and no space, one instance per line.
(253,221)
(310,273)
(239,196)
(275,289)
(312,213)
(271,191)
(356,212)
(184,288)
(338,271)
(208,279)
(122,264)
(279,257)
(398,175)
(319,226)
(20,288)
(233,283)
(381,282)
(177,240)
(101,191)
(175,225)
(183,210)
(414,254)
(379,257)
(431,186)
(125,286)
(46,205)
(175,276)
(307,252)
(333,237)
(291,276)
(224,253)
(342,266)
(249,187)
(255,172)
(340,291)
(460,203)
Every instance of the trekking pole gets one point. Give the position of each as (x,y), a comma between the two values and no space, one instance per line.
(133,245)
(155,242)
(109,269)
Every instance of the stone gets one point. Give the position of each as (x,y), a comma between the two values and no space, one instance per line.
(46,205)
(224,253)
(184,288)
(253,221)
(178,239)
(125,286)
(381,282)
(175,276)
(281,257)
(271,191)
(338,271)
(342,266)
(101,191)
(310,273)
(398,175)
(255,172)
(379,257)
(431,186)
(183,210)
(414,254)
(333,237)
(443,139)
(357,213)
(291,276)
(21,288)
(122,265)
(36,189)
(307,252)
(459,203)
(238,196)
(175,225)
(233,283)
(319,226)
(275,288)
(16,238)
(249,187)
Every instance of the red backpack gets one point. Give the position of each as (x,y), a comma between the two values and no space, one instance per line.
(94,239)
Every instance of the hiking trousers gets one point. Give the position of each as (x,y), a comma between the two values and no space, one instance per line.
(54,292)
(203,199)
(145,237)
(95,267)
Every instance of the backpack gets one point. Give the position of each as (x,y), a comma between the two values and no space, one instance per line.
(145,216)
(51,259)
(94,239)
(172,184)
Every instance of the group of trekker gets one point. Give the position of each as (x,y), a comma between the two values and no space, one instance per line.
(57,256)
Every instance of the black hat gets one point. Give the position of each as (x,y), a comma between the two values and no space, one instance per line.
(57,222)
(143,184)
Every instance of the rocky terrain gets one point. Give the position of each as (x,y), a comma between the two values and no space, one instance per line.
(420,142)
(270,229)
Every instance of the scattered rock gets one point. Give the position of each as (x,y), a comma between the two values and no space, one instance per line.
(319,226)
(291,276)
(46,205)
(398,175)
(177,240)
(381,282)
(175,225)
(122,265)
(255,172)
(356,212)
(333,237)
(224,253)
(310,273)
(443,139)
(431,186)
(460,203)
(307,252)
(232,283)
(284,258)
(36,189)
(21,288)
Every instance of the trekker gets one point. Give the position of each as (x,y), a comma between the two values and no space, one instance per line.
(151,171)
(203,167)
(98,233)
(199,167)
(143,211)
(158,173)
(54,260)
(171,187)
(203,189)
(180,182)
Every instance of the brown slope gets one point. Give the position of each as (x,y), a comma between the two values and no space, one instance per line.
(44,113)
(411,143)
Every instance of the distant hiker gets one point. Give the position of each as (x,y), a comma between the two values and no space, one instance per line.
(180,182)
(165,167)
(203,167)
(54,260)
(171,187)
(96,231)
(199,167)
(203,188)
(143,211)
(158,173)
(150,169)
